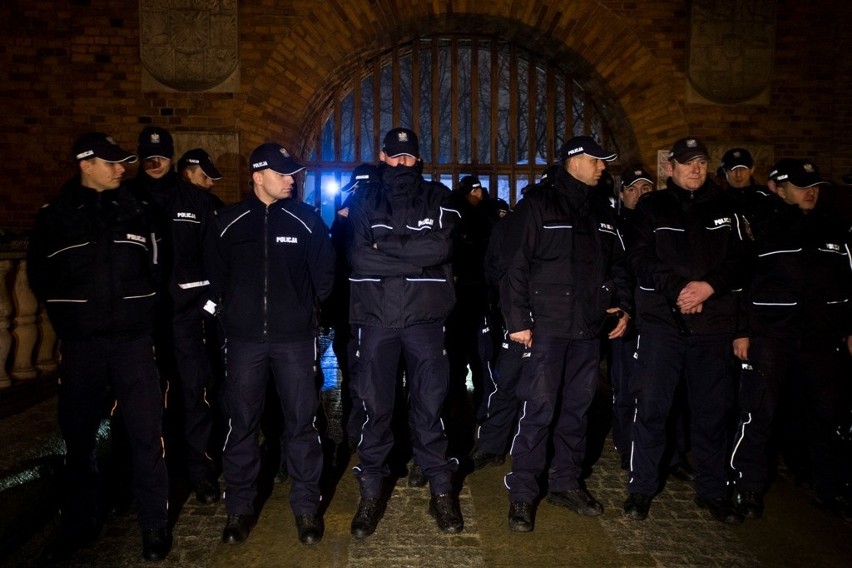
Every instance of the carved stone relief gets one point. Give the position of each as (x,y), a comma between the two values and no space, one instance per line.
(189,45)
(731,46)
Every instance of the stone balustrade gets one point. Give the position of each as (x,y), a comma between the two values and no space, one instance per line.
(27,340)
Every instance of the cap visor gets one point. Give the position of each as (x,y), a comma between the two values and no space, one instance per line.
(293,170)
(637,180)
(211,172)
(689,156)
(402,154)
(116,156)
(602,155)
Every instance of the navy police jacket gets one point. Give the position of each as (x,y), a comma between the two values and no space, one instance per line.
(678,236)
(93,259)
(564,262)
(399,249)
(186,217)
(801,276)
(272,267)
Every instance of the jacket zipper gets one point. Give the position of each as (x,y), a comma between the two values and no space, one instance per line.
(265,272)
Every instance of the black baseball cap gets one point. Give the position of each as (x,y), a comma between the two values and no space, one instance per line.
(200,157)
(630,177)
(363,174)
(687,149)
(468,184)
(274,157)
(401,142)
(737,158)
(156,142)
(584,145)
(801,173)
(103,146)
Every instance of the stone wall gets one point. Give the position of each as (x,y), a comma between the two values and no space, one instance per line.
(70,66)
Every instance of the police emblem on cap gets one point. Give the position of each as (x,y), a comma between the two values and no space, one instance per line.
(284,153)
(155,138)
(637,172)
(691,143)
(737,154)
(402,136)
(808,167)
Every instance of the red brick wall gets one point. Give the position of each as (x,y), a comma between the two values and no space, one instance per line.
(70,66)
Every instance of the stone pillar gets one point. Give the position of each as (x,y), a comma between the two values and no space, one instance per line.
(46,358)
(5,321)
(24,330)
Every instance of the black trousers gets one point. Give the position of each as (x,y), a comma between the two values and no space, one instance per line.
(704,364)
(558,369)
(294,370)
(88,370)
(375,383)
(809,376)
(501,402)
(194,377)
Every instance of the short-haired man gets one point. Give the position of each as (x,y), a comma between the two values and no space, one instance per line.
(274,265)
(93,260)
(401,292)
(687,255)
(796,333)
(564,287)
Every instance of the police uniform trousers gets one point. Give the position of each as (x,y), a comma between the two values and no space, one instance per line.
(558,370)
(294,370)
(621,371)
(500,401)
(194,376)
(90,372)
(704,364)
(378,353)
(808,376)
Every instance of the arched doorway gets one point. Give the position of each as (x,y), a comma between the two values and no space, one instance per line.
(480,105)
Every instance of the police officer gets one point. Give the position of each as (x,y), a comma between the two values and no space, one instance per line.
(795,337)
(751,198)
(363,180)
(500,403)
(93,261)
(274,264)
(565,285)
(187,215)
(686,252)
(468,333)
(196,166)
(635,183)
(401,293)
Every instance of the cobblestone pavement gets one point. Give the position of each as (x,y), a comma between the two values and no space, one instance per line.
(677,533)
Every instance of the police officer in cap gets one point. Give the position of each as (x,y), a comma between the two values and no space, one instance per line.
(752,198)
(687,254)
(274,264)
(401,293)
(794,340)
(565,286)
(93,260)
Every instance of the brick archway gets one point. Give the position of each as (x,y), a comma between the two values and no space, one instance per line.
(597,47)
